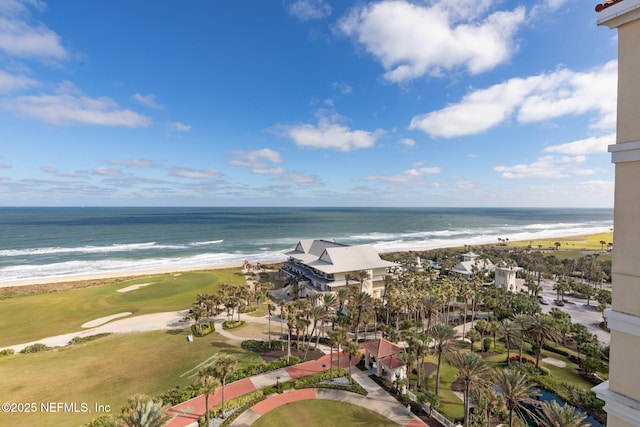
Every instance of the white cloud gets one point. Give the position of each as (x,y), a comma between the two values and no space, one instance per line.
(411,40)
(545,7)
(22,39)
(302,179)
(590,171)
(306,10)
(111,173)
(536,98)
(179,127)
(68,107)
(331,135)
(147,100)
(257,160)
(586,187)
(546,167)
(12,82)
(584,146)
(134,163)
(408,142)
(342,87)
(406,176)
(194,173)
(465,185)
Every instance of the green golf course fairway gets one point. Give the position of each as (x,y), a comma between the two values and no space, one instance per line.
(107,371)
(29,318)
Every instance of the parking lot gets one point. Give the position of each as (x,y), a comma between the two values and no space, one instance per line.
(578,310)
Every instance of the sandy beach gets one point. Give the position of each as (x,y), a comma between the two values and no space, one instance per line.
(113,275)
(128,275)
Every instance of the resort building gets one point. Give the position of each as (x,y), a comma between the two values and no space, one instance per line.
(622,392)
(471,265)
(506,277)
(326,266)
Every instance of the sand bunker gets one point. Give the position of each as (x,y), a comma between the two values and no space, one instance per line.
(554,362)
(134,287)
(103,320)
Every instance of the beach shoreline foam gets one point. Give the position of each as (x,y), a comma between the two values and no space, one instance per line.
(130,275)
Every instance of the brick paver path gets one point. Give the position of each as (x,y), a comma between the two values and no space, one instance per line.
(188,412)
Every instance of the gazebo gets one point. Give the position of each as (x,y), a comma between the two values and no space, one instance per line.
(380,357)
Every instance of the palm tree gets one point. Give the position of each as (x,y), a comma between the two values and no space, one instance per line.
(339,338)
(488,399)
(271,309)
(208,385)
(431,304)
(225,366)
(363,303)
(342,295)
(473,335)
(541,328)
(551,414)
(444,337)
(353,350)
(363,275)
(516,390)
(143,411)
(494,327)
(522,320)
(471,370)
(511,332)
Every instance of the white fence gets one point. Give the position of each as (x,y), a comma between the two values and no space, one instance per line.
(434,414)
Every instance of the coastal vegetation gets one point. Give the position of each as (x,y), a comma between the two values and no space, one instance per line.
(509,340)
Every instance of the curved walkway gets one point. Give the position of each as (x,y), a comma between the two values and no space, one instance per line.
(188,413)
(397,414)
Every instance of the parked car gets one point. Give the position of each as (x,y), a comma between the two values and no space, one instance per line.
(559,302)
(543,301)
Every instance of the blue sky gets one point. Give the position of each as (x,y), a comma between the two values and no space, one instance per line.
(306,103)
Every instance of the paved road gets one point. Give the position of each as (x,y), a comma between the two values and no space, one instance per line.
(578,310)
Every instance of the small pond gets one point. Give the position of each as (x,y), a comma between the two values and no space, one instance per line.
(546,396)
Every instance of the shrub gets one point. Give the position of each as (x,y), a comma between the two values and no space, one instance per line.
(232,324)
(202,329)
(486,344)
(557,350)
(7,352)
(102,421)
(524,359)
(81,340)
(258,346)
(35,348)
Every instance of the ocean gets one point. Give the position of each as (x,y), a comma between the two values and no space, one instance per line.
(52,243)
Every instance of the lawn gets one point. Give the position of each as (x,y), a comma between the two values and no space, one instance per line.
(320,413)
(29,318)
(107,371)
(258,331)
(589,242)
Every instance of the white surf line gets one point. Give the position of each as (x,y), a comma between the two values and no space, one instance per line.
(199,365)
(103,320)
(134,287)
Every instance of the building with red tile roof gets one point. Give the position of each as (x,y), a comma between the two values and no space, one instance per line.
(380,356)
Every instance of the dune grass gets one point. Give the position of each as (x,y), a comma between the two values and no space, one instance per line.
(29,318)
(107,371)
(320,413)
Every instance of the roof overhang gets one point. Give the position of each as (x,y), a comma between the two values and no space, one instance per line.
(619,13)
